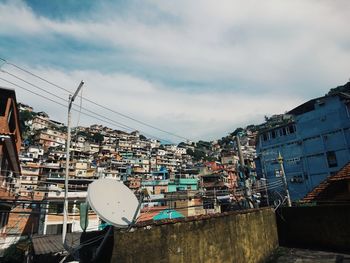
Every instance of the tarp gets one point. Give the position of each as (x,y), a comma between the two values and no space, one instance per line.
(168,214)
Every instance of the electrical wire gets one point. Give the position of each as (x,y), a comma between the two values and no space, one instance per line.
(100,105)
(93,102)
(104,118)
(261,187)
(206,193)
(34,213)
(52,100)
(99,116)
(30,91)
(155,209)
(110,121)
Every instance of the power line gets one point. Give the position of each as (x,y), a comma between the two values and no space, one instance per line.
(109,121)
(95,103)
(56,96)
(102,106)
(33,213)
(63,99)
(118,123)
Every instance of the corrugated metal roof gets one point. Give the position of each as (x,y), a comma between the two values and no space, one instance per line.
(50,244)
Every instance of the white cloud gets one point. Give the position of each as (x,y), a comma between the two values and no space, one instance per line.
(192,115)
(268,55)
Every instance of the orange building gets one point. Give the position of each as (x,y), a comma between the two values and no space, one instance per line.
(17,216)
(10,142)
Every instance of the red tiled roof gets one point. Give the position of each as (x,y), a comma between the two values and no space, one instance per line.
(148,213)
(343,174)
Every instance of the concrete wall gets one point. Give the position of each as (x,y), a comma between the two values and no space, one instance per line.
(245,237)
(320,227)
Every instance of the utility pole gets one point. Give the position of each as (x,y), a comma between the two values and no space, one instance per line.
(240,154)
(247,191)
(265,179)
(150,162)
(65,207)
(280,161)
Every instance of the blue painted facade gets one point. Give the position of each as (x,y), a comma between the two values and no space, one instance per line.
(314,143)
(182,184)
(162,174)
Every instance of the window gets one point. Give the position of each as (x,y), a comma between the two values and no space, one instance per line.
(57,229)
(265,137)
(3,220)
(280,132)
(332,159)
(273,134)
(291,129)
(56,208)
(3,104)
(208,204)
(284,131)
(297,179)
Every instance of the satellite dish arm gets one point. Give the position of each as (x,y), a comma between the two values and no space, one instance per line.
(111,228)
(133,222)
(100,247)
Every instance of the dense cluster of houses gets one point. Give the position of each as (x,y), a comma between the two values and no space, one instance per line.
(309,144)
(172,183)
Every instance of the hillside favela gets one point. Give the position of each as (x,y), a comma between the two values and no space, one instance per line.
(155,131)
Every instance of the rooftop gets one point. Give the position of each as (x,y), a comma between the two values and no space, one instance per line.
(51,244)
(309,105)
(324,189)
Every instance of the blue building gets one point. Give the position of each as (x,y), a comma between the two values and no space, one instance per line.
(183,184)
(314,141)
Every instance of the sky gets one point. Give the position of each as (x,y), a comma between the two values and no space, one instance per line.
(198,69)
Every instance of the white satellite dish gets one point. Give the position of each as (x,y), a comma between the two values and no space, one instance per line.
(113,201)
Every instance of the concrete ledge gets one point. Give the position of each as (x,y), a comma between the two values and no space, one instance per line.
(249,236)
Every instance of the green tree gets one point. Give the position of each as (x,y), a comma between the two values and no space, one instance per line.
(236,131)
(24,117)
(190,152)
(82,133)
(98,138)
(198,155)
(203,144)
(182,145)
